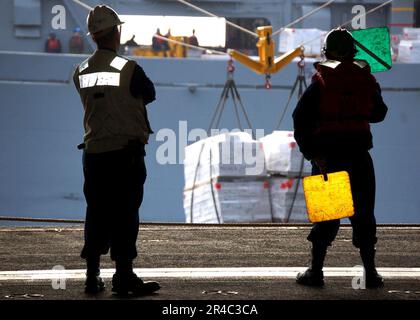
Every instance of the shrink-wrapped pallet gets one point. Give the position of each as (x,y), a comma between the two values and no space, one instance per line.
(230,154)
(409,51)
(282,155)
(411,33)
(286,205)
(292,38)
(228,200)
(225,180)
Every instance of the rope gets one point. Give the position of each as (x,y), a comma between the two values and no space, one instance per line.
(215,16)
(84,5)
(300,79)
(303,17)
(270,195)
(295,192)
(220,105)
(238,97)
(235,107)
(216,211)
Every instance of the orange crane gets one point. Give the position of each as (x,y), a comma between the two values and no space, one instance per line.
(267,63)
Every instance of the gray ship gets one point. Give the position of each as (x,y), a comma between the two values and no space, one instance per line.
(41,114)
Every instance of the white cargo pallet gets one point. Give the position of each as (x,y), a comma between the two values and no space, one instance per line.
(236,199)
(282,155)
(282,191)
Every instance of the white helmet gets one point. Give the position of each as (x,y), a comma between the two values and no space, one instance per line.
(101,20)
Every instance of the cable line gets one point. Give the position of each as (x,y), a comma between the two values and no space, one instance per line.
(303,17)
(84,5)
(215,16)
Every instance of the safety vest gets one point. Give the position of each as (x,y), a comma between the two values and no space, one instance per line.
(346,97)
(53,45)
(113,117)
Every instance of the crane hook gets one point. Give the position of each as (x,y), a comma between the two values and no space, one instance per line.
(267,81)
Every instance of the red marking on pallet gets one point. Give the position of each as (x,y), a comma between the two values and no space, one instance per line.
(288,184)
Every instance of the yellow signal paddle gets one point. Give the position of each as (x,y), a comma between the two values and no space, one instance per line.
(328,199)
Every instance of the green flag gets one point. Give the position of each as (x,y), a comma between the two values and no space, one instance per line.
(374,47)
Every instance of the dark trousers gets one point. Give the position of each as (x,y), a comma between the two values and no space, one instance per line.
(113,190)
(362,180)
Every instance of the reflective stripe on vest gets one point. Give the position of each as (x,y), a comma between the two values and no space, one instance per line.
(83,65)
(118,63)
(102,78)
(99,79)
(112,115)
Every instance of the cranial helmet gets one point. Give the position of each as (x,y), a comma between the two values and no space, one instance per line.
(339,43)
(101,20)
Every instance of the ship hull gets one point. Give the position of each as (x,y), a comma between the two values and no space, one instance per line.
(41,124)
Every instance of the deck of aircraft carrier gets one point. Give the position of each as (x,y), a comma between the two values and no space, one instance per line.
(222,262)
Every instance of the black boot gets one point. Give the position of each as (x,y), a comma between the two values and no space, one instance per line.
(125,281)
(94,282)
(373,279)
(313,276)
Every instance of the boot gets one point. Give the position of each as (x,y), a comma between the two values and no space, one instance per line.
(94,282)
(125,281)
(313,276)
(373,279)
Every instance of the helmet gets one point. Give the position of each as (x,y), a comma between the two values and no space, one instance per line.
(339,43)
(101,20)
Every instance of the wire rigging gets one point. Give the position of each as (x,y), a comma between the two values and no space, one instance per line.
(84,5)
(215,16)
(303,17)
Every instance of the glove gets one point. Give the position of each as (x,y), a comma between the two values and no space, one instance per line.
(321,163)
